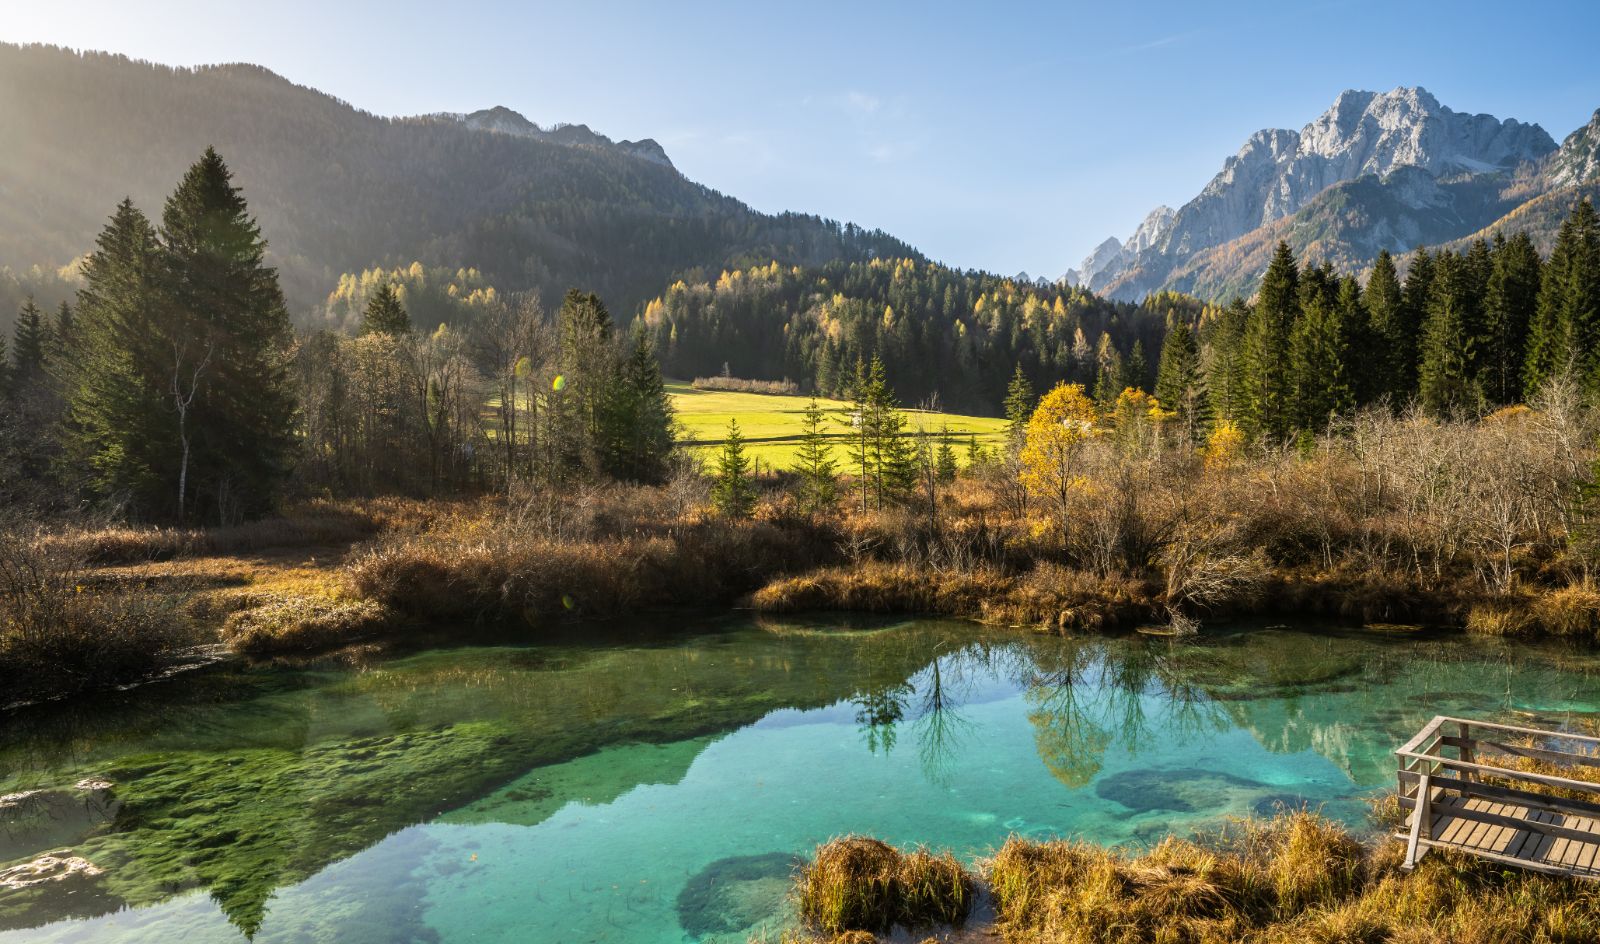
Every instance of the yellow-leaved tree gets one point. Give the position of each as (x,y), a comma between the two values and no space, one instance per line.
(1060,425)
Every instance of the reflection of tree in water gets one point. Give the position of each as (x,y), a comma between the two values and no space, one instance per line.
(878,710)
(1084,696)
(940,728)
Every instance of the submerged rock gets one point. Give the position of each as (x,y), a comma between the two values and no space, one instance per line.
(1172,790)
(35,820)
(736,893)
(58,866)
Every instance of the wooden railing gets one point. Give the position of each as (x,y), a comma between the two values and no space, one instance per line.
(1449,759)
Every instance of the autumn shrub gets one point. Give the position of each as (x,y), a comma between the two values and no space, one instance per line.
(303,622)
(58,636)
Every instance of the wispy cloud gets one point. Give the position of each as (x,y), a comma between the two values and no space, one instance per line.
(862,102)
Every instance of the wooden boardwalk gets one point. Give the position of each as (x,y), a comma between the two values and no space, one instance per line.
(1461,793)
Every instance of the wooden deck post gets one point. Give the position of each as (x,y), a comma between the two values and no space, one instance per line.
(1421,821)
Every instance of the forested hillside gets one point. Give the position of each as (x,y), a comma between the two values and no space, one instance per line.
(336,189)
(940,332)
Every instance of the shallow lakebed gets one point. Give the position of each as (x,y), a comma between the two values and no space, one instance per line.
(653,785)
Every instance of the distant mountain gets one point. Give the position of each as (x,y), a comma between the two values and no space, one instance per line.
(339,190)
(1375,171)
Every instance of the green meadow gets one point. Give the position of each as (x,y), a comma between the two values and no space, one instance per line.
(772,424)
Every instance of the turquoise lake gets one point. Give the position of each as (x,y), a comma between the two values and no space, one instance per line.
(655,784)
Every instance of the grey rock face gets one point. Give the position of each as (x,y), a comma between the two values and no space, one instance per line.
(1278,171)
(1578,160)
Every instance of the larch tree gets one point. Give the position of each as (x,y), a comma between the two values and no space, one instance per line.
(1052,469)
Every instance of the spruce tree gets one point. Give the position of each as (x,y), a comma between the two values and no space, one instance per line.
(1511,297)
(1179,385)
(29,342)
(815,466)
(119,430)
(1414,302)
(1385,345)
(385,313)
(732,493)
(227,375)
(638,421)
(1226,377)
(1266,349)
(945,458)
(1566,326)
(1018,405)
(1448,377)
(1319,359)
(586,365)
(1135,370)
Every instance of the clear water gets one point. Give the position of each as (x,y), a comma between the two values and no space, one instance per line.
(597,789)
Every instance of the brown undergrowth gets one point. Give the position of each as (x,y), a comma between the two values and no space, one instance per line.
(1292,879)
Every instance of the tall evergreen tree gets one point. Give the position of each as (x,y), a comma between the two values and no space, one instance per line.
(1414,302)
(228,373)
(29,342)
(1018,405)
(586,367)
(1266,349)
(732,493)
(1135,370)
(1226,374)
(1385,334)
(1179,384)
(638,416)
(1319,357)
(1511,297)
(120,437)
(385,313)
(1566,326)
(1448,375)
(814,463)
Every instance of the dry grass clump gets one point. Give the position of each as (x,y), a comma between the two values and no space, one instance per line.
(59,636)
(287,623)
(1293,879)
(858,884)
(483,566)
(1049,596)
(313,522)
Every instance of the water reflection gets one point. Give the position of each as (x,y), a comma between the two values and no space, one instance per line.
(306,783)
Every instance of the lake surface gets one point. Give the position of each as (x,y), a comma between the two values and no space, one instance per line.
(606,789)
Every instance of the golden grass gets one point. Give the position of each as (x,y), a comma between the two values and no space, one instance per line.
(1292,879)
(859,884)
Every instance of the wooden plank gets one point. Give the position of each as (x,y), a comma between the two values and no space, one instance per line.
(1540,732)
(1515,750)
(1511,794)
(1545,823)
(1428,731)
(1421,821)
(1549,780)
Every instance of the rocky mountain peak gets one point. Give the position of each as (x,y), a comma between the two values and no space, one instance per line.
(503,120)
(1578,160)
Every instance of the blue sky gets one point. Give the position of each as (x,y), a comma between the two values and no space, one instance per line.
(996,136)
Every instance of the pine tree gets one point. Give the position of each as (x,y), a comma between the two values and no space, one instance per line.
(1448,378)
(227,374)
(1413,312)
(1566,325)
(945,458)
(1266,349)
(1018,405)
(732,493)
(1511,297)
(1179,384)
(119,430)
(28,345)
(638,416)
(1135,371)
(1226,375)
(63,338)
(1319,358)
(1384,334)
(814,463)
(385,313)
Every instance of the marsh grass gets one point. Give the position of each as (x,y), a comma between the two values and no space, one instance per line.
(856,883)
(59,635)
(1293,879)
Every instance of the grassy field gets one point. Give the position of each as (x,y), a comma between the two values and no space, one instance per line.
(771,424)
